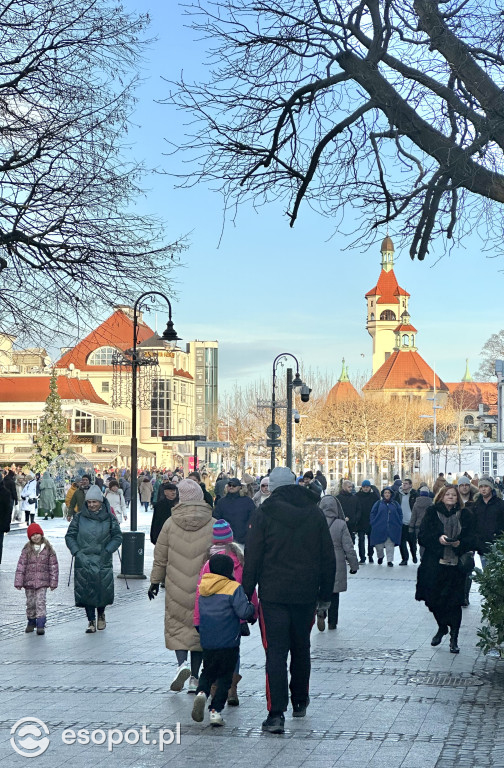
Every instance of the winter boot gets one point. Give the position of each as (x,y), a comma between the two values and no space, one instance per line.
(232,697)
(40,625)
(454,641)
(442,631)
(32,623)
(101,623)
(91,628)
(467,589)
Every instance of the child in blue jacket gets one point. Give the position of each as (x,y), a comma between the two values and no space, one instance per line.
(222,603)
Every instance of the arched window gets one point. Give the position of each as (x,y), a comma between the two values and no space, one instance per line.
(387,314)
(101,356)
(469,421)
(372,316)
(405,340)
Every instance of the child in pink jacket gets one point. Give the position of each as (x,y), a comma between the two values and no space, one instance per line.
(223,544)
(37,569)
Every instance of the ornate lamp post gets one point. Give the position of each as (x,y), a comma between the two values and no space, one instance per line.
(134,541)
(273,430)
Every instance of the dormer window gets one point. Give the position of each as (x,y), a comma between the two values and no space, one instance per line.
(101,356)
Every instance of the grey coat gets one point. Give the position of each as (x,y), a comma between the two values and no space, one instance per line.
(341,539)
(417,513)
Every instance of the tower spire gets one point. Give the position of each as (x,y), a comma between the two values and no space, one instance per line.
(467,375)
(387,252)
(344,372)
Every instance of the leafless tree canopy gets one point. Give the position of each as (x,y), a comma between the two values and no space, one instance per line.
(391,108)
(493,349)
(70,241)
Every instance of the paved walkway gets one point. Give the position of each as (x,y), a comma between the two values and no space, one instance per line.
(381,696)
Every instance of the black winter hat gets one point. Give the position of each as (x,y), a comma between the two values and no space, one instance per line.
(222,565)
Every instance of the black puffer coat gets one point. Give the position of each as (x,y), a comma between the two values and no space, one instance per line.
(289,550)
(92,537)
(352,514)
(162,511)
(442,586)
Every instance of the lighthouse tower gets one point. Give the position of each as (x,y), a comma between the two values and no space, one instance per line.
(386,303)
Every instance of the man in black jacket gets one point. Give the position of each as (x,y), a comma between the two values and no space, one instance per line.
(348,501)
(366,499)
(406,497)
(488,512)
(290,555)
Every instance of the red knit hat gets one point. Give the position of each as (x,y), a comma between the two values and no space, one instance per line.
(34,528)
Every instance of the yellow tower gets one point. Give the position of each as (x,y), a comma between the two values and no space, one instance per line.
(386,302)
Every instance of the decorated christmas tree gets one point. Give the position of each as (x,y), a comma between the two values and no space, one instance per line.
(52,436)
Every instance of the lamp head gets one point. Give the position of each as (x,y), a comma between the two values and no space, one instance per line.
(170,334)
(297,381)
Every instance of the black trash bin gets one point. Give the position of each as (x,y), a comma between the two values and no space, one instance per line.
(132,557)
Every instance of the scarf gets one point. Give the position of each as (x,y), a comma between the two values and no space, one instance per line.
(451,529)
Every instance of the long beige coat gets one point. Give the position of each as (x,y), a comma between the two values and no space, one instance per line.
(179,555)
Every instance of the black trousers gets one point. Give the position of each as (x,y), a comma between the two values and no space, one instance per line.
(286,627)
(91,612)
(218,667)
(449,617)
(362,545)
(407,538)
(332,613)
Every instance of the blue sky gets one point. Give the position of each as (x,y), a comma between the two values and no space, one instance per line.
(267,288)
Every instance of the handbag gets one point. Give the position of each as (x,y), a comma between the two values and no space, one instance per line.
(466,562)
(244,630)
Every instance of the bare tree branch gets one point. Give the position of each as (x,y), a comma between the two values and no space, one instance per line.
(281,115)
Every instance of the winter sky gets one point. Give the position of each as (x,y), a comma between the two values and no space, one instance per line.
(264,288)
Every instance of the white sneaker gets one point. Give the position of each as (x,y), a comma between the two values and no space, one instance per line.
(183,672)
(198,710)
(216,718)
(192,686)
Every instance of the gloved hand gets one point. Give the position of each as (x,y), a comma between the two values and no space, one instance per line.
(251,621)
(153,591)
(323,606)
(353,571)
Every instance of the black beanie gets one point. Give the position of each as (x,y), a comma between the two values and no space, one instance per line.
(222,565)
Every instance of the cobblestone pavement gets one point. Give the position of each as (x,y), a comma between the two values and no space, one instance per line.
(381,696)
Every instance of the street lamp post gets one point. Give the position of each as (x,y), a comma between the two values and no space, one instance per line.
(291,384)
(435,451)
(133,541)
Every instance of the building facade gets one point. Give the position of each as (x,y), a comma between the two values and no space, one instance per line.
(177,395)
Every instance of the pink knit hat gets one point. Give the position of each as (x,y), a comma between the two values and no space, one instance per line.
(189,491)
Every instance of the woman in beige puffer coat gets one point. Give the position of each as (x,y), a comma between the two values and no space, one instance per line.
(179,555)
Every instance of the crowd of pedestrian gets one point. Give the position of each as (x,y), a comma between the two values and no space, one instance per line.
(293,539)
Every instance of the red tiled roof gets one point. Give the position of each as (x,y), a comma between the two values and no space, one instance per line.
(467,395)
(343,391)
(116,331)
(387,288)
(35,389)
(404,369)
(410,328)
(181,372)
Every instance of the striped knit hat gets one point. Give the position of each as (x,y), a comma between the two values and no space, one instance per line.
(222,532)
